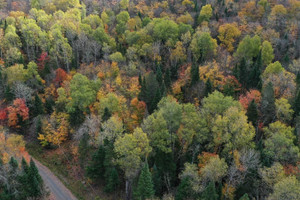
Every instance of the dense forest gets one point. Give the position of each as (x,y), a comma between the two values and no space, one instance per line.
(151,99)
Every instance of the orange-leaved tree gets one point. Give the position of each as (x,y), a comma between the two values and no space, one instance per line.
(17,113)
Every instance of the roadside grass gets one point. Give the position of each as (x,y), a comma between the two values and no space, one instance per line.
(56,163)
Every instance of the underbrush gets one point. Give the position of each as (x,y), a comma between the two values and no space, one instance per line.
(67,170)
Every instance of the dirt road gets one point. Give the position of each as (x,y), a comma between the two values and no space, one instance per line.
(57,189)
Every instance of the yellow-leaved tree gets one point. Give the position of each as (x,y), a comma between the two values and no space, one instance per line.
(55,129)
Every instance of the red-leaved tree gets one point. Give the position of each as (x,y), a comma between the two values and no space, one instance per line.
(42,60)
(61,76)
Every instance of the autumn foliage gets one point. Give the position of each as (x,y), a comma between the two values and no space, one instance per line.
(17,112)
(246,99)
(61,76)
(42,60)
(3,114)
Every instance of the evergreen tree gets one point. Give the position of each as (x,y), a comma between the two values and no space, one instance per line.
(157,181)
(83,149)
(159,76)
(166,166)
(111,174)
(8,94)
(13,164)
(184,190)
(38,126)
(268,103)
(24,179)
(46,70)
(155,100)
(145,188)
(77,117)
(140,79)
(34,170)
(194,74)
(49,104)
(1,79)
(111,179)
(96,170)
(252,113)
(38,108)
(106,115)
(24,166)
(297,104)
(167,79)
(174,72)
(34,180)
(298,80)
(208,87)
(163,90)
(241,72)
(210,192)
(143,93)
(245,197)
(254,79)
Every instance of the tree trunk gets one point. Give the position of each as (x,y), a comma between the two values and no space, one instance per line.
(128,190)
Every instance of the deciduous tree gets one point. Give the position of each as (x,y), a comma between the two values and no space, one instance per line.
(18,112)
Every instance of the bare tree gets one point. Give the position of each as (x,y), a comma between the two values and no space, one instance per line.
(22,91)
(91,126)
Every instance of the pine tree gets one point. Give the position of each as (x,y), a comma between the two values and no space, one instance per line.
(145,188)
(254,80)
(38,126)
(174,72)
(111,179)
(252,113)
(242,73)
(96,170)
(83,149)
(35,180)
(24,179)
(24,165)
(298,80)
(167,79)
(38,108)
(1,79)
(184,190)
(297,104)
(34,170)
(194,74)
(111,174)
(155,101)
(77,117)
(157,181)
(159,76)
(106,115)
(268,103)
(166,165)
(245,197)
(143,93)
(49,105)
(208,87)
(140,79)
(8,94)
(13,163)
(210,192)
(163,90)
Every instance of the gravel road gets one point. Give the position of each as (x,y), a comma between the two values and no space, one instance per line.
(57,189)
